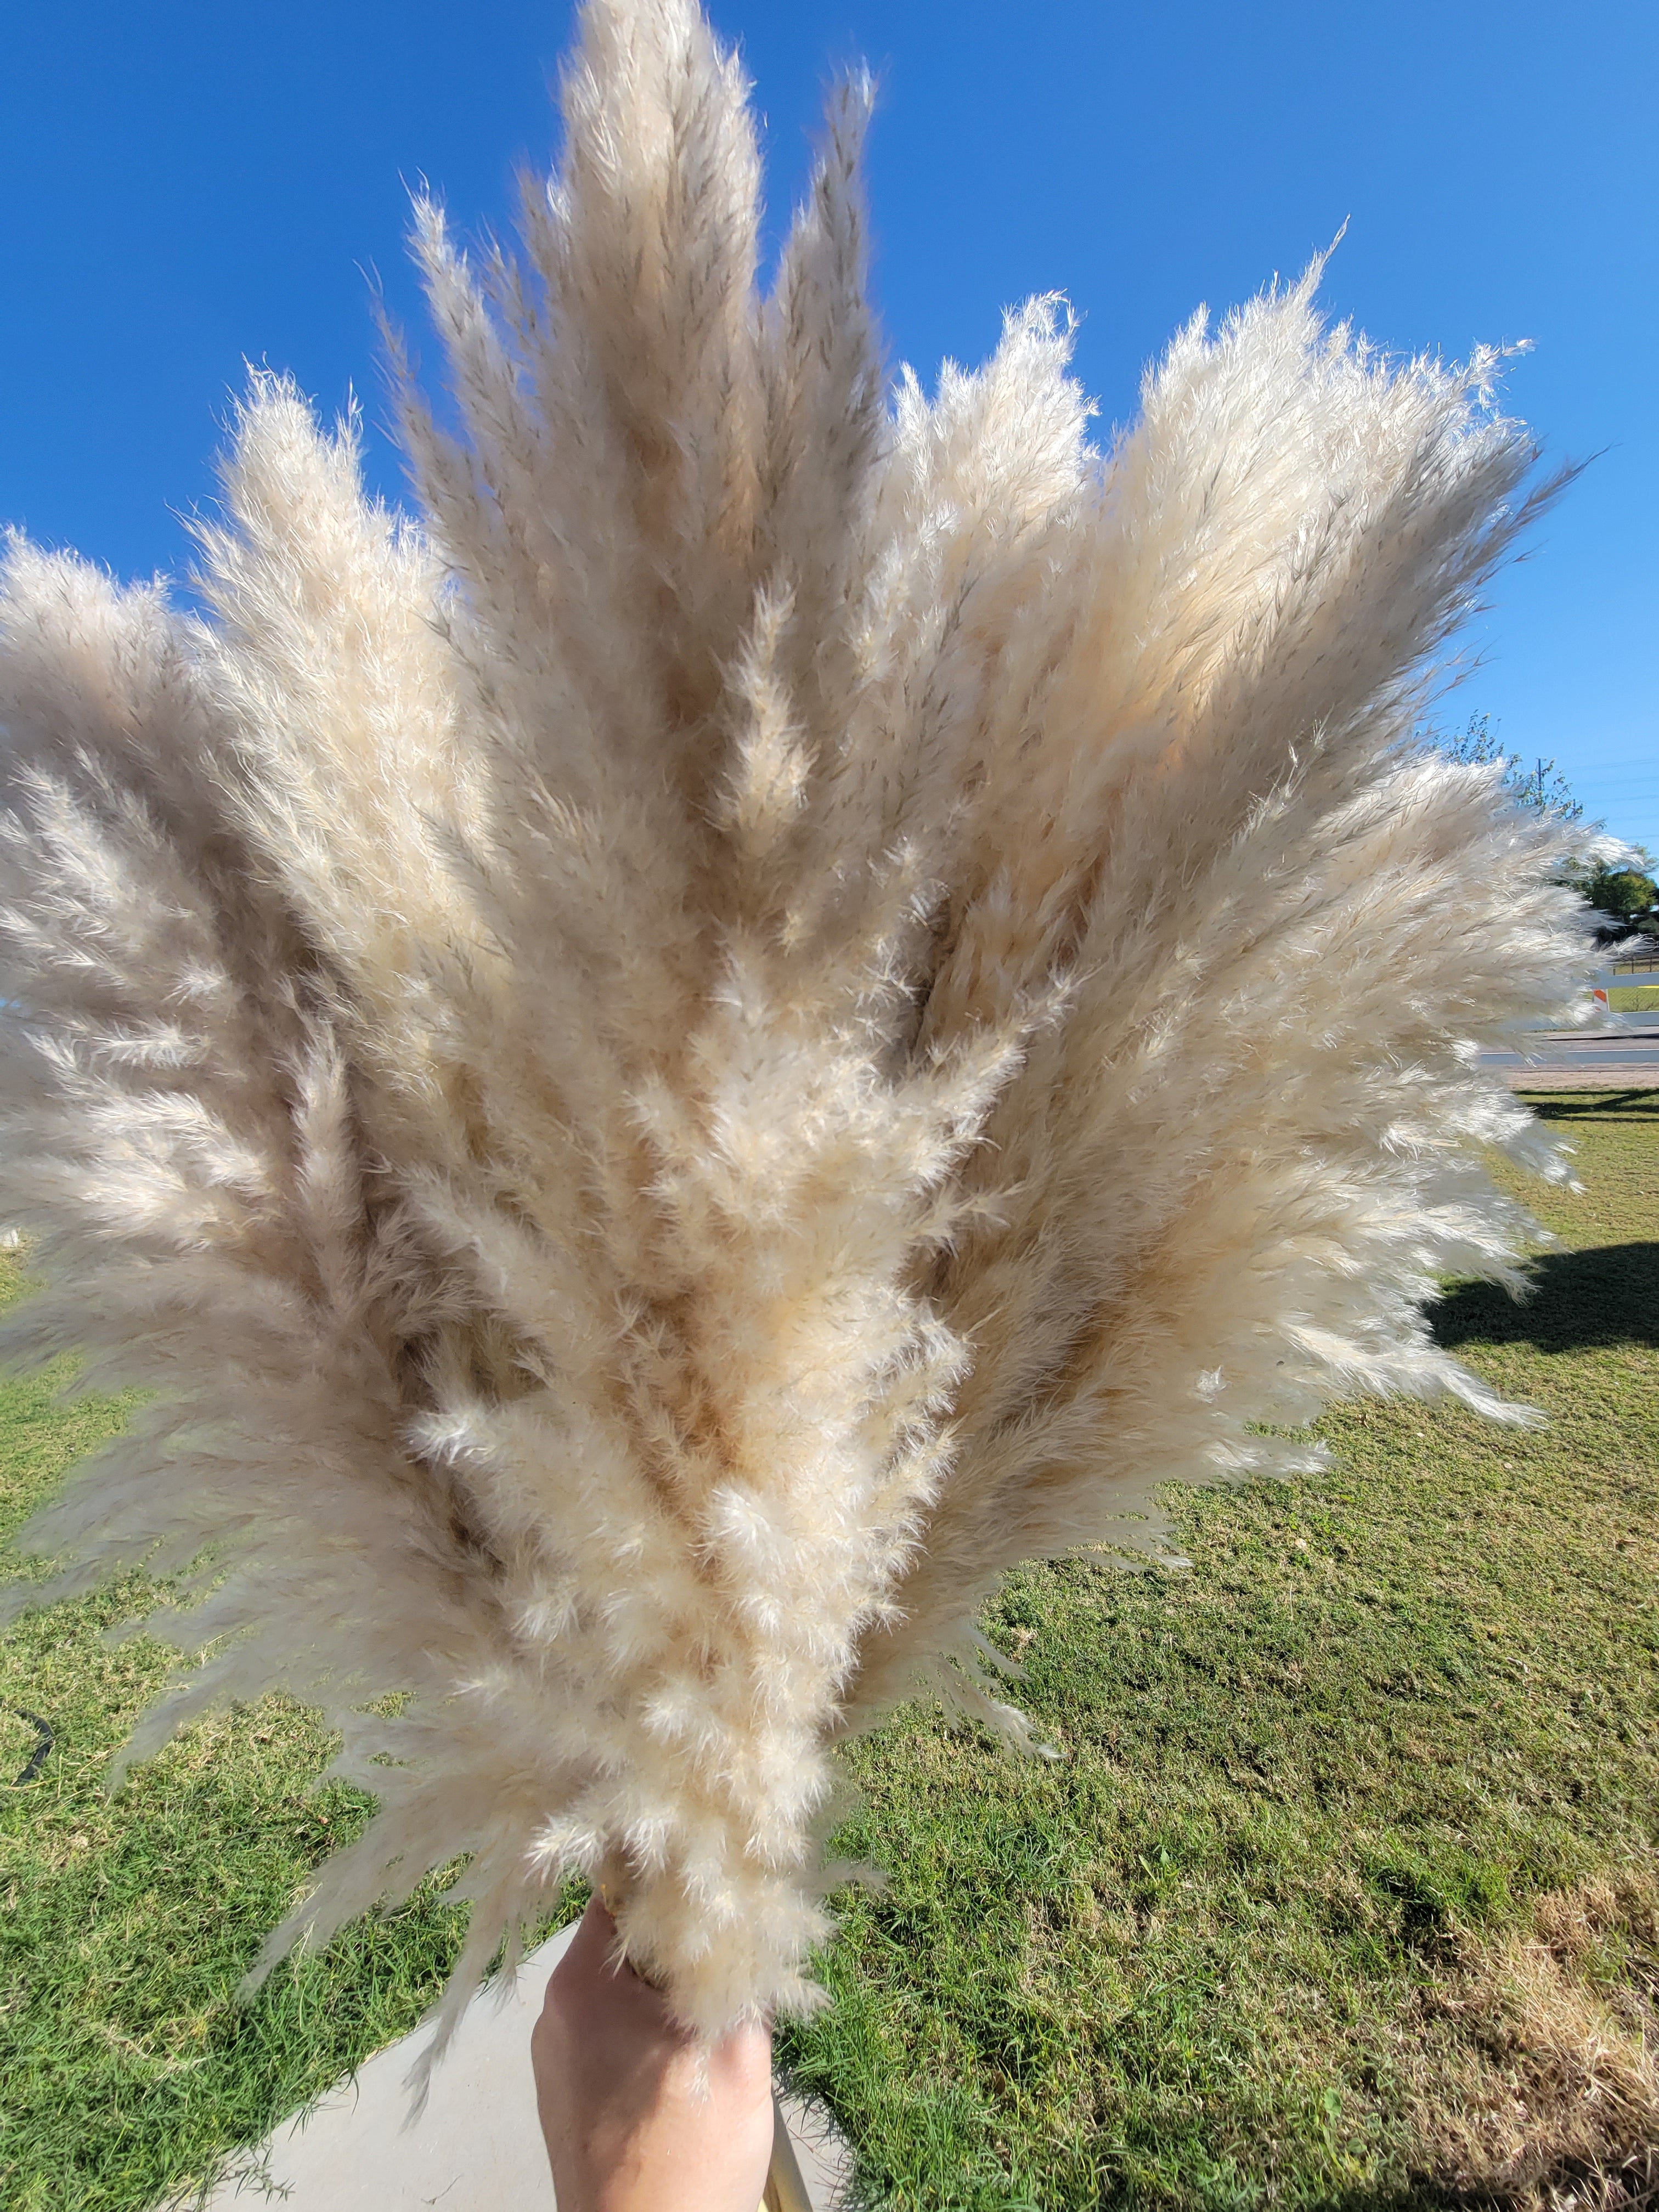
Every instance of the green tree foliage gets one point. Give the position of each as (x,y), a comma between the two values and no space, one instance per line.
(1542,784)
(1629,894)
(1624,889)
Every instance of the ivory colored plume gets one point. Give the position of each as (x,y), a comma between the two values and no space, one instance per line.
(795,994)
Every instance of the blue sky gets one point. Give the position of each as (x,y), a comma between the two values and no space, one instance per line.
(189,186)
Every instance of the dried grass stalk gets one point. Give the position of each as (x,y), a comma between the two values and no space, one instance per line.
(792,997)
(1532,2069)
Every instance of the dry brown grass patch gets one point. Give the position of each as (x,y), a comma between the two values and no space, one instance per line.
(1536,2081)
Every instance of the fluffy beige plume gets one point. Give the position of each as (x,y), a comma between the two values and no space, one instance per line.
(796,996)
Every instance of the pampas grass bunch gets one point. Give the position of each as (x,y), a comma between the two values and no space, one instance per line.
(796,994)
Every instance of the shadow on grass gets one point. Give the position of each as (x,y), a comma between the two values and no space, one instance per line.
(1607,1296)
(1626,1105)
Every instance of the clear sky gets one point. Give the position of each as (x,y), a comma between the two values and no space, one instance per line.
(188,185)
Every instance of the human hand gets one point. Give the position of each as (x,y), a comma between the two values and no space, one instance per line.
(627,2127)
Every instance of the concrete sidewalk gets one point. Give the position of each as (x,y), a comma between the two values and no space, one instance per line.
(478,2147)
(1580,1060)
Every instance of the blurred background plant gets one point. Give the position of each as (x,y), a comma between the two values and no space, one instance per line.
(1619,884)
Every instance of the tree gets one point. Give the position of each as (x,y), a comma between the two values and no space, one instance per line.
(1541,786)
(1629,894)
(1618,882)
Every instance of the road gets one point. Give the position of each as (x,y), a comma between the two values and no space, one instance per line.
(1588,1060)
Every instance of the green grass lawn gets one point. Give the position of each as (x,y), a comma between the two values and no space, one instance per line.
(1342,1894)
(127,2069)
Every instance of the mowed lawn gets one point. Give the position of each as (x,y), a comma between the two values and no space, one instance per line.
(1342,1894)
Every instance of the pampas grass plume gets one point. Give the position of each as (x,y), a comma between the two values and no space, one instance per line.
(796,994)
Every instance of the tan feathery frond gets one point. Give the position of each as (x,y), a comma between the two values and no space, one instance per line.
(796,994)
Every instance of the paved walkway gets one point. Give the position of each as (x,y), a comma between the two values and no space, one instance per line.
(478,2147)
(1582,1078)
(1582,1060)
